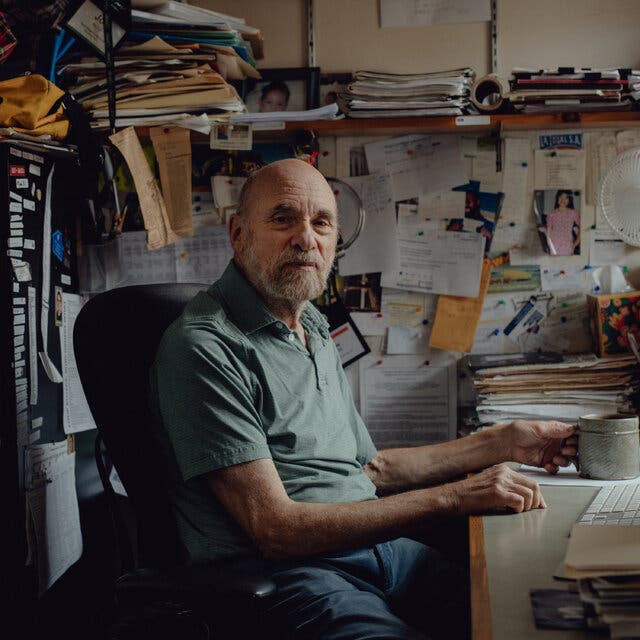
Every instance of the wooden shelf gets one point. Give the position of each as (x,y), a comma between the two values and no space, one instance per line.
(449,124)
(506,122)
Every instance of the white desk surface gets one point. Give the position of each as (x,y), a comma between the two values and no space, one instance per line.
(522,552)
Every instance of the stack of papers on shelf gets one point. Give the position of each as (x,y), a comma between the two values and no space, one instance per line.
(573,89)
(155,82)
(577,385)
(328,112)
(178,22)
(378,95)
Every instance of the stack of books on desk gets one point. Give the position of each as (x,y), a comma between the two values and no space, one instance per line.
(572,386)
(373,94)
(573,89)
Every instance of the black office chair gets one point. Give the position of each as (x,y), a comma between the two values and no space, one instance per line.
(115,339)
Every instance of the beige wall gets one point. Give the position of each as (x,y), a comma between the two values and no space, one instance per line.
(537,33)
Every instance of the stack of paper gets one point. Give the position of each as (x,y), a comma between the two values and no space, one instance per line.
(572,89)
(156,82)
(378,95)
(606,562)
(327,112)
(577,385)
(179,22)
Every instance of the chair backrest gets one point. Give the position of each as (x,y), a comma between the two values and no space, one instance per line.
(115,339)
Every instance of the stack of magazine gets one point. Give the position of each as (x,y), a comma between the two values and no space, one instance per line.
(373,94)
(562,387)
(573,89)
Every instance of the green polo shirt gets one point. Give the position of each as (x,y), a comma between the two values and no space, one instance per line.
(231,384)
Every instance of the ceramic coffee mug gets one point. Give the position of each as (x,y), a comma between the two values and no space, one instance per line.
(608,446)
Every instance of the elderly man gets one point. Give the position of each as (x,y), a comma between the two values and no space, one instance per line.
(276,461)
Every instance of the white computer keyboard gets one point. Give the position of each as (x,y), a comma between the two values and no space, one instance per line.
(613,504)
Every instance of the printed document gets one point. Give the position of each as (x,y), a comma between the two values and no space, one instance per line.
(376,248)
(76,413)
(446,262)
(407,400)
(418,164)
(52,510)
(411,13)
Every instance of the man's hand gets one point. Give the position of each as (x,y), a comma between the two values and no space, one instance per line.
(548,444)
(497,488)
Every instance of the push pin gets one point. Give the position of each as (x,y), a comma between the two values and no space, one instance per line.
(495,332)
(425,321)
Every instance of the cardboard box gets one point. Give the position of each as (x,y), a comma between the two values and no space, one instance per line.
(613,317)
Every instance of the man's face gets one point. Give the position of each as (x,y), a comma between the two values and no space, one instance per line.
(286,241)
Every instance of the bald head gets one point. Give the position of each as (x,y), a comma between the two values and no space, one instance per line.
(275,176)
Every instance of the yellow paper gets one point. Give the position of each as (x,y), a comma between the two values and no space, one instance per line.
(457,318)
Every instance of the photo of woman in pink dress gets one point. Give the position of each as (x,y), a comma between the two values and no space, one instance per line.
(563,225)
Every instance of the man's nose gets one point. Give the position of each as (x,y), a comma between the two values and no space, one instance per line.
(303,236)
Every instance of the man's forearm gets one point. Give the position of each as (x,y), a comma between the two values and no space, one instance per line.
(394,470)
(302,529)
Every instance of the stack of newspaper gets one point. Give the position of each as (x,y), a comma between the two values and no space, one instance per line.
(372,94)
(574,385)
(573,89)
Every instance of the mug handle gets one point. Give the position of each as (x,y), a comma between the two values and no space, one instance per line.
(575,459)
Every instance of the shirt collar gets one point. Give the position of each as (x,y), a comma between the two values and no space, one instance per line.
(247,309)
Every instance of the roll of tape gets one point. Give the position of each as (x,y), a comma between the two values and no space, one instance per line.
(487,94)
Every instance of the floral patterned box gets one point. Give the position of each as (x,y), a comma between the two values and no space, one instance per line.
(613,317)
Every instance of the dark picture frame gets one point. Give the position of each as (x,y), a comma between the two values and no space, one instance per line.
(302,84)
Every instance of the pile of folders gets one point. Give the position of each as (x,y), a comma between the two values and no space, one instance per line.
(573,89)
(176,62)
(562,388)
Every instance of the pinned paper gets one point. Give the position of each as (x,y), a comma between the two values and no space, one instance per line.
(457,318)
(531,314)
(152,204)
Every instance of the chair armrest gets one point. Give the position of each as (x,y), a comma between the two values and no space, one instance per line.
(196,583)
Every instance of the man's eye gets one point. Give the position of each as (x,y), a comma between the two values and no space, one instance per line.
(280,219)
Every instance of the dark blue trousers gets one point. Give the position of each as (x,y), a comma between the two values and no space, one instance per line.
(397,589)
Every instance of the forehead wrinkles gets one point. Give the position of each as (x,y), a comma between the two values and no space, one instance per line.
(308,192)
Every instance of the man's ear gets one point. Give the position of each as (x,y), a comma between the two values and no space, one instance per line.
(235,229)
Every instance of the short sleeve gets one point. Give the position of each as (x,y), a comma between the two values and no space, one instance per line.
(205,398)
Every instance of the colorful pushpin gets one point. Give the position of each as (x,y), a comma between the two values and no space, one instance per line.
(425,321)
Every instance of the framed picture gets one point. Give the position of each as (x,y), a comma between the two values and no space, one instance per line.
(285,89)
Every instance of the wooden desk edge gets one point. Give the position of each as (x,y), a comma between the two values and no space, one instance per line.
(480,602)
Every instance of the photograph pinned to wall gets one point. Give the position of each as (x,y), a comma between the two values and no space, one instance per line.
(231,136)
(514,278)
(283,89)
(362,292)
(557,214)
(481,212)
(58,296)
